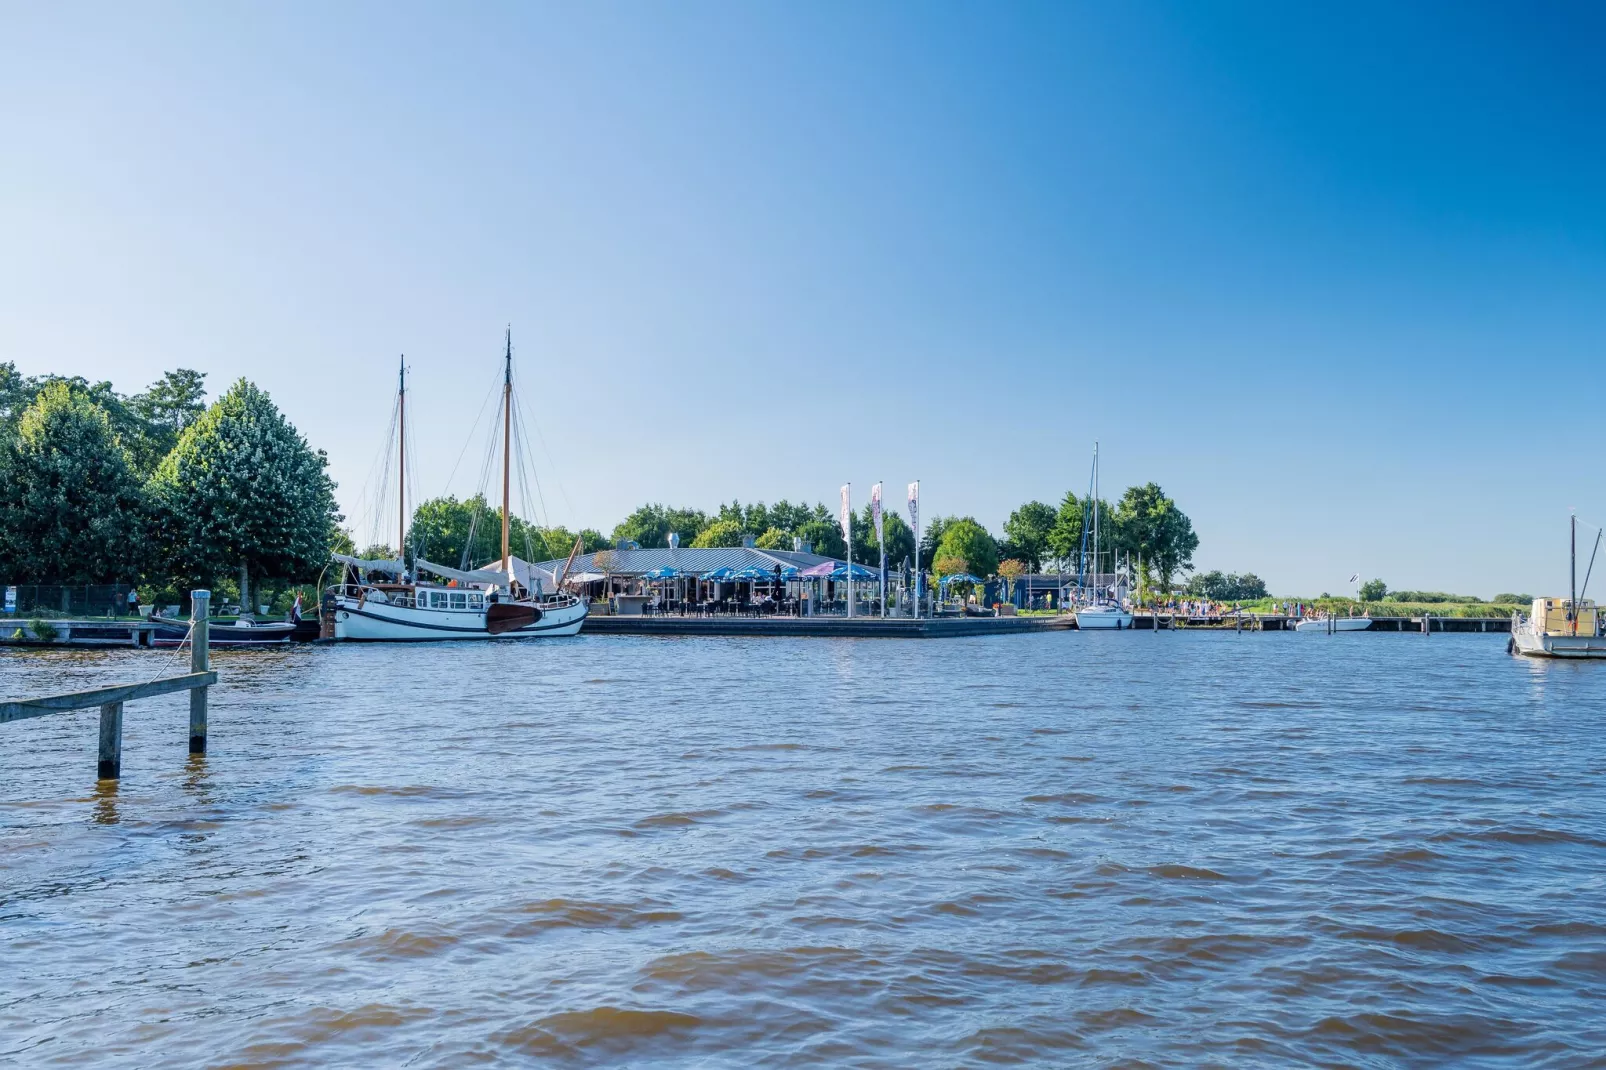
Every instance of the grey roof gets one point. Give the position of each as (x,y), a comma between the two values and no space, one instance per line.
(689,560)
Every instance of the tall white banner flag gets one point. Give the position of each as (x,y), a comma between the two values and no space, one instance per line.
(847,511)
(875,511)
(914,504)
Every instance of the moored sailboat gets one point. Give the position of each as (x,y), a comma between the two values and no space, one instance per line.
(381,600)
(1098,610)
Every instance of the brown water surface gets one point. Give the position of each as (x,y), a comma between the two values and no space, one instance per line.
(1246,850)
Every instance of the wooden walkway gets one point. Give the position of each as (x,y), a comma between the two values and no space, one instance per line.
(110,699)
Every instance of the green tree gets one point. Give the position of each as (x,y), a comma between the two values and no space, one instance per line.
(468,534)
(1029,530)
(900,538)
(1373,590)
(1149,524)
(719,533)
(825,536)
(969,541)
(243,491)
(931,533)
(649,526)
(774,539)
(171,404)
(71,508)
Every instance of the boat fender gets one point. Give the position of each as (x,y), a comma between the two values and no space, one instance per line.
(1511,646)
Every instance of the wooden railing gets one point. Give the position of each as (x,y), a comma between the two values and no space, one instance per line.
(111,699)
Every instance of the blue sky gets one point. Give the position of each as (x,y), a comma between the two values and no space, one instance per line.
(1334,277)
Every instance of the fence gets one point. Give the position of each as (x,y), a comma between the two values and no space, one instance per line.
(67,600)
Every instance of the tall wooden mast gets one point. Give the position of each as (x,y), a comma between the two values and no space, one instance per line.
(401,468)
(507,445)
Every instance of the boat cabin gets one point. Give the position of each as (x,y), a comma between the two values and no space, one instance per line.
(449,598)
(1550,616)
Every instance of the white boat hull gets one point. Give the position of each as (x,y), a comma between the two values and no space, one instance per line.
(369,621)
(1103,618)
(1338,624)
(1529,643)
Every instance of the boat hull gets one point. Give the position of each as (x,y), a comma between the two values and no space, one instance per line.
(368,621)
(173,633)
(1530,644)
(1103,620)
(1341,624)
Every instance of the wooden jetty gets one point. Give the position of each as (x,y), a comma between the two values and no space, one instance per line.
(111,699)
(1276,622)
(820,627)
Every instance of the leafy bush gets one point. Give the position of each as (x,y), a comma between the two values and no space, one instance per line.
(1373,591)
(1229,587)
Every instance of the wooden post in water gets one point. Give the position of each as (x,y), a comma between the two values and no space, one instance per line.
(200,607)
(111,741)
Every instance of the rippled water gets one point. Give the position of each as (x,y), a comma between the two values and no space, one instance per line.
(1049,848)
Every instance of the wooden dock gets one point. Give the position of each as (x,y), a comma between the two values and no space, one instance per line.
(89,631)
(820,627)
(111,699)
(1273,622)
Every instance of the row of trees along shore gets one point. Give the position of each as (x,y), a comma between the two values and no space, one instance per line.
(1144,523)
(161,489)
(157,488)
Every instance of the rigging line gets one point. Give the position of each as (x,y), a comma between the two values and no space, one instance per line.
(1591,568)
(366,517)
(469,439)
(553,466)
(480,502)
(522,442)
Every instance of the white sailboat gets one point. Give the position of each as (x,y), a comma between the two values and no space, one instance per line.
(508,599)
(1102,612)
(1562,627)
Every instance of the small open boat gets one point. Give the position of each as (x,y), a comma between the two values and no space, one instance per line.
(166,632)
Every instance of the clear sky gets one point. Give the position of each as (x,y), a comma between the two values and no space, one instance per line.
(1334,277)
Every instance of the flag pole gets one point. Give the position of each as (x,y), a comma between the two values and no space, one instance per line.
(847,531)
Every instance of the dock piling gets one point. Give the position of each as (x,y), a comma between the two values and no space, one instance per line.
(200,608)
(111,741)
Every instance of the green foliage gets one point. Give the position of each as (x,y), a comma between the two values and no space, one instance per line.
(1150,524)
(899,536)
(1429,597)
(1373,590)
(968,541)
(1228,587)
(71,506)
(774,539)
(441,527)
(826,537)
(650,525)
(1514,599)
(1065,535)
(720,533)
(242,487)
(931,532)
(42,630)
(170,405)
(1030,531)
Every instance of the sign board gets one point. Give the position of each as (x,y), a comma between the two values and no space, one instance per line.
(11,599)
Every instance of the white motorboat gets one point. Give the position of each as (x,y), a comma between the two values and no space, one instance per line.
(377,600)
(1333,624)
(1561,627)
(1097,617)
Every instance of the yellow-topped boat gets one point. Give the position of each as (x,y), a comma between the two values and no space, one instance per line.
(1561,627)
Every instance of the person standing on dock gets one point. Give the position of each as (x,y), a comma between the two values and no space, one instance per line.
(133,601)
